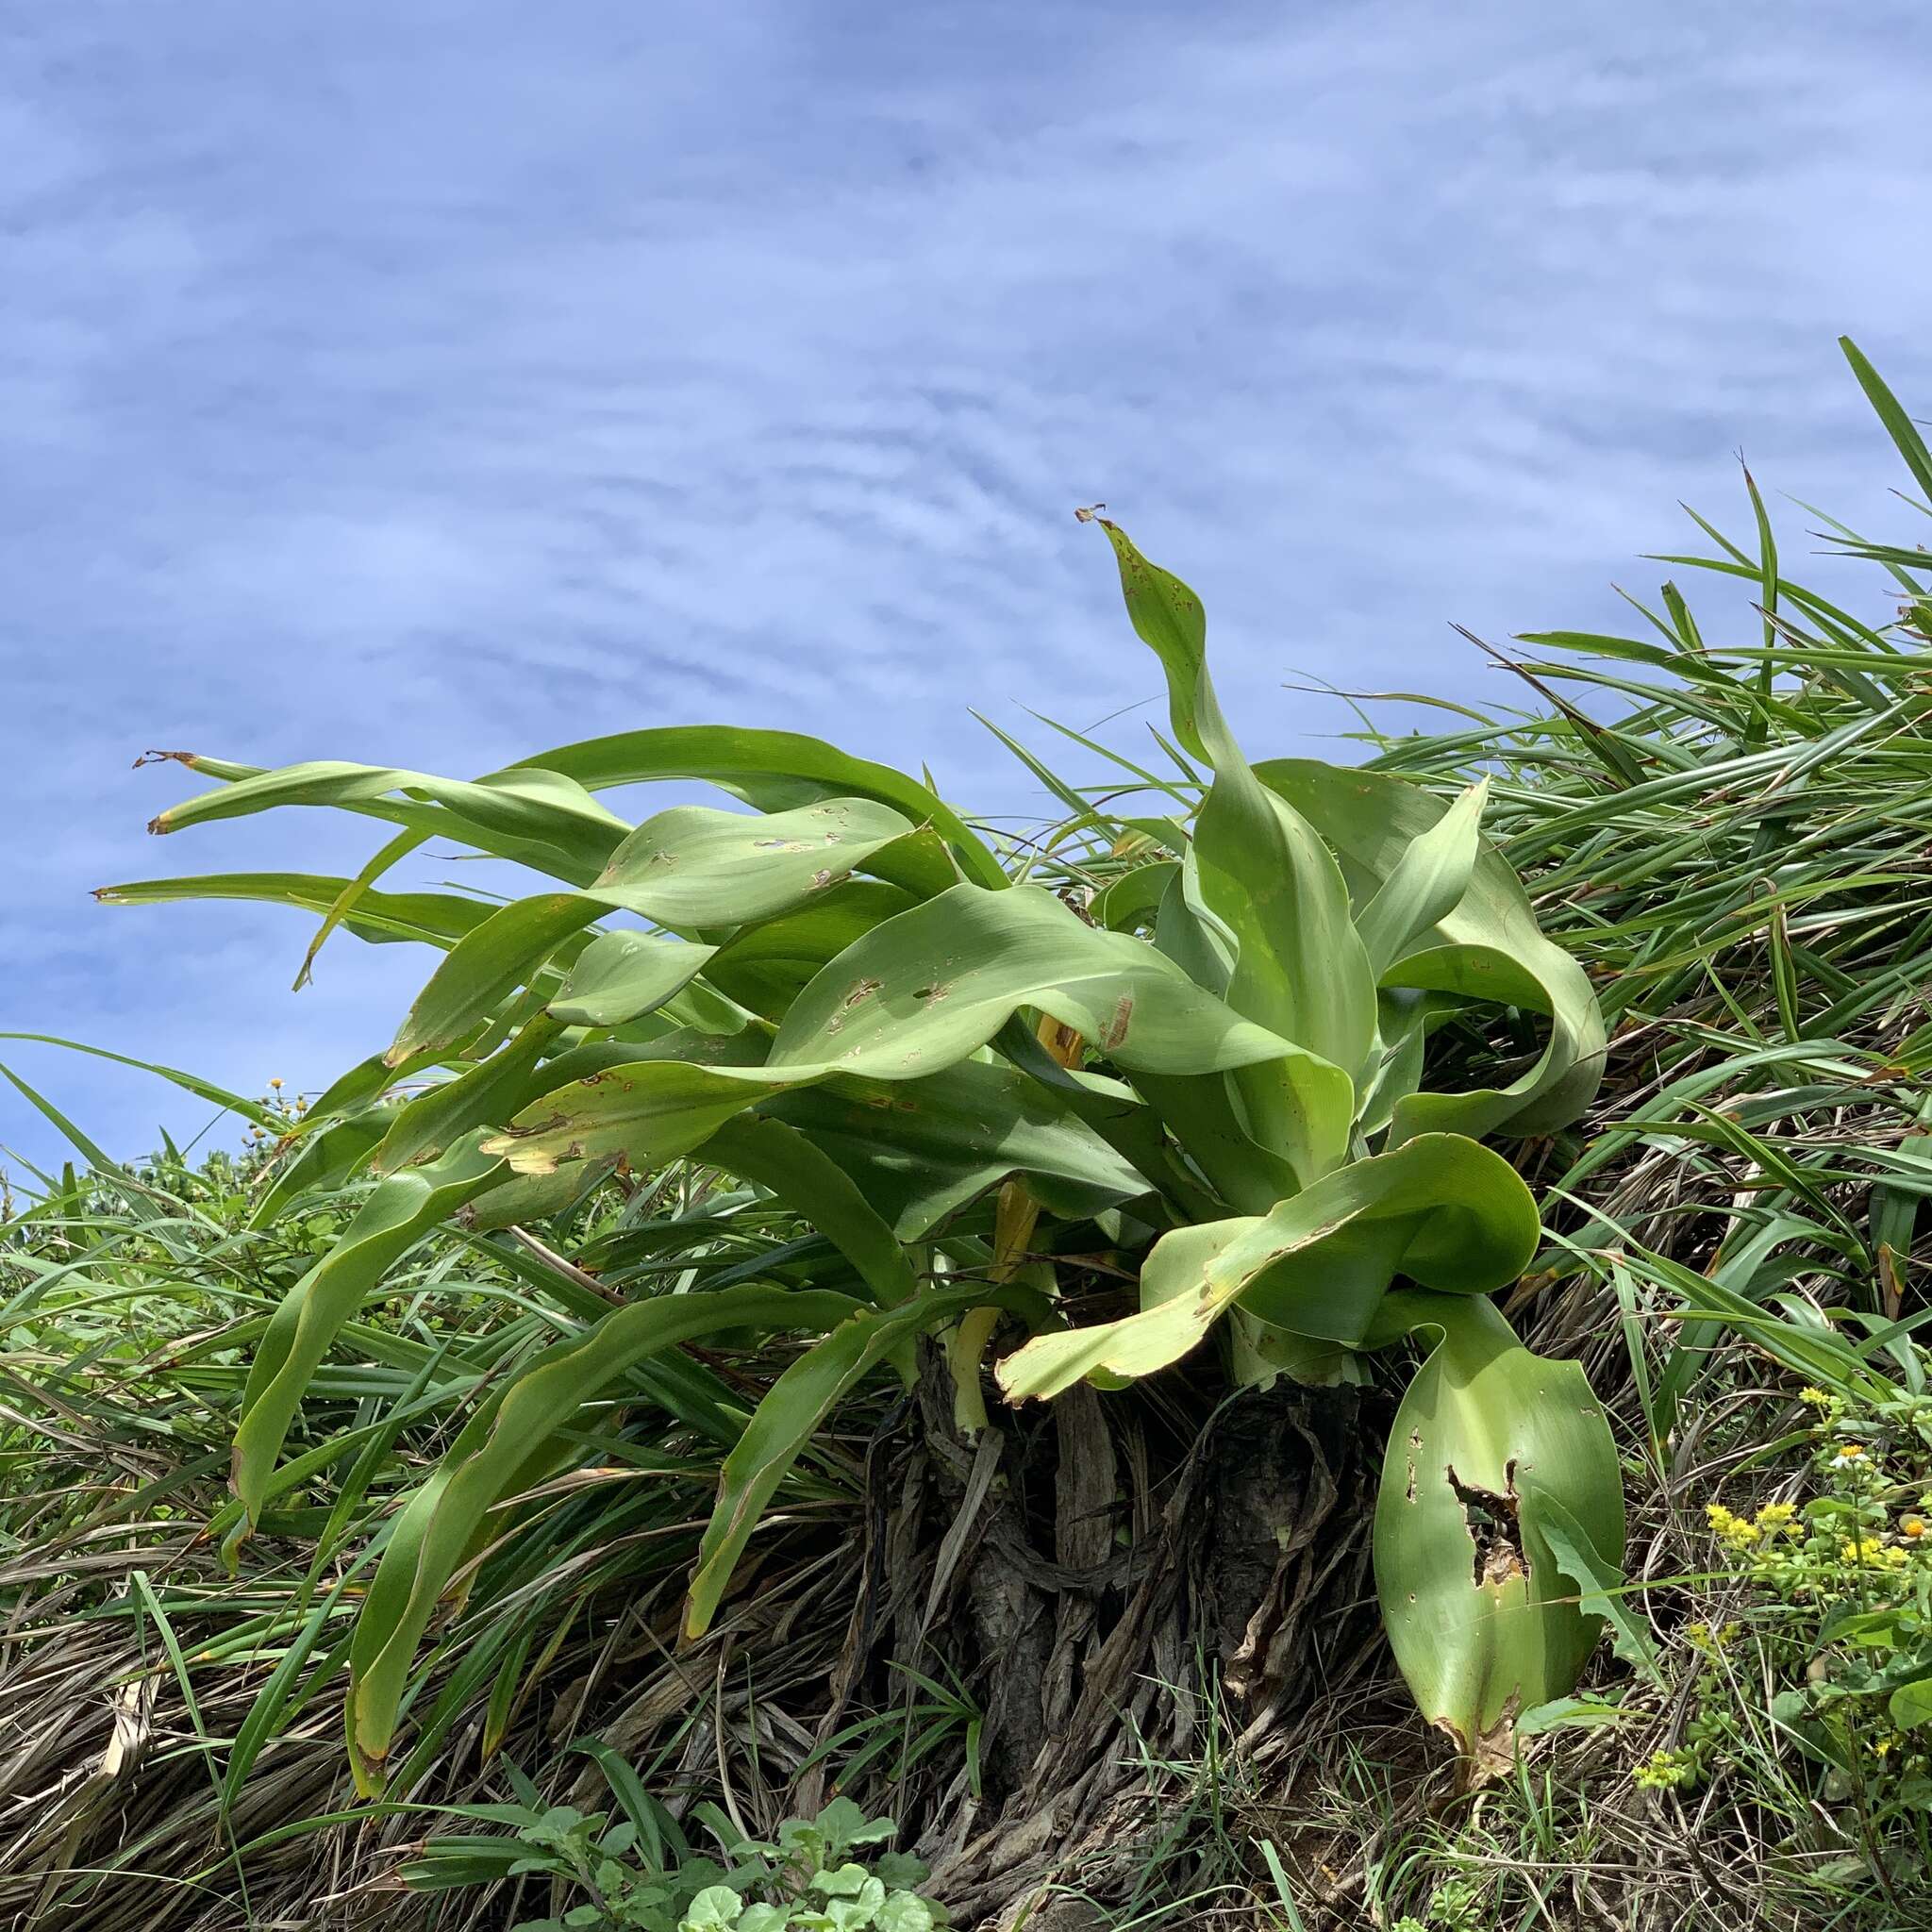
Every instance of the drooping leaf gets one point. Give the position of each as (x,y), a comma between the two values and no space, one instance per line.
(401,1210)
(486,965)
(480,1096)
(765,967)
(913,996)
(810,1183)
(1481,1617)
(437,918)
(696,866)
(621,974)
(793,1409)
(508,1444)
(936,983)
(536,816)
(647,1111)
(921,1149)
(322,1161)
(773,771)
(1440,1210)
(524,1198)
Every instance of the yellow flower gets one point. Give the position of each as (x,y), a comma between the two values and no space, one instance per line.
(1850,1453)
(1816,1397)
(276,1081)
(1868,1549)
(1735,1531)
(1913,1527)
(1776,1516)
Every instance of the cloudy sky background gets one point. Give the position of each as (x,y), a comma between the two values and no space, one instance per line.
(432,384)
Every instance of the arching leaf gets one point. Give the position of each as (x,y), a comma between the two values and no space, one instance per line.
(1482,1620)
(1439,1210)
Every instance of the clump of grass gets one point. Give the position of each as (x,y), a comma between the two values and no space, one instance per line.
(170,1750)
(1726,818)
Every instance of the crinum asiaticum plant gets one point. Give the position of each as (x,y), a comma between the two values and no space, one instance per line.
(845,996)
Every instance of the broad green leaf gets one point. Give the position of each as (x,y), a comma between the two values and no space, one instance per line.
(652,1112)
(620,975)
(481,1096)
(1554,1089)
(771,770)
(400,1211)
(506,1446)
(1369,820)
(524,1198)
(1428,882)
(933,985)
(1299,969)
(1204,1113)
(1134,899)
(810,1183)
(1190,933)
(765,967)
(1440,1210)
(904,1911)
(714,1910)
(696,866)
(486,965)
(921,1149)
(324,1161)
(1910,1705)
(689,867)
(1259,1352)
(1482,1620)
(645,1110)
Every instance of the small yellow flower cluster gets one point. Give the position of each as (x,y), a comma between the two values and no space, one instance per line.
(1737,1531)
(1816,1397)
(1871,1553)
(1741,1532)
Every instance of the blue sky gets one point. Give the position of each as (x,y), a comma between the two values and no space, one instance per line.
(432,384)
